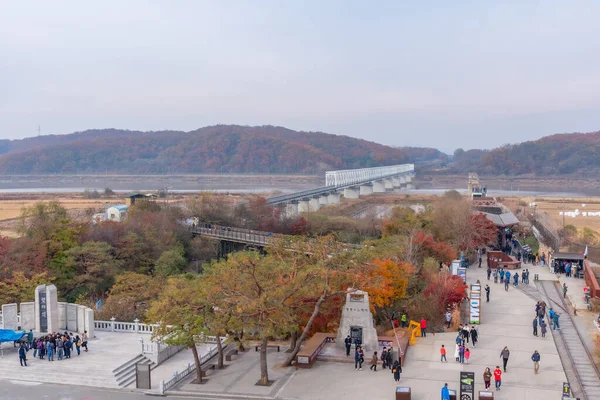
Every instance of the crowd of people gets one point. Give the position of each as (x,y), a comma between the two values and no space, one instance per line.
(54,346)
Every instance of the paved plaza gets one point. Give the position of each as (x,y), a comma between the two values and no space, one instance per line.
(94,368)
(505,321)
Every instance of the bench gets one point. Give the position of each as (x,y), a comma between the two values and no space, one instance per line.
(205,368)
(307,356)
(232,352)
(269,346)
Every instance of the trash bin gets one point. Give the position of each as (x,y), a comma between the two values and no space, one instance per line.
(486,395)
(402,393)
(452,394)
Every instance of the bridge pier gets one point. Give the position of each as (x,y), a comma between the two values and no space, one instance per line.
(389,183)
(314,204)
(303,206)
(333,199)
(410,186)
(366,189)
(324,200)
(291,209)
(378,187)
(351,192)
(396,181)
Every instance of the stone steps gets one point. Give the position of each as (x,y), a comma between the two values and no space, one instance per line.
(125,374)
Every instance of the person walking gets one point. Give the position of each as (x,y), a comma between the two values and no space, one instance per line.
(498,377)
(403,320)
(443,354)
(506,282)
(348,343)
(502,275)
(388,357)
(496,275)
(555,324)
(84,340)
(543,327)
(445,392)
(423,327)
(487,293)
(461,353)
(564,288)
(373,366)
(396,370)
(467,355)
(448,318)
(465,333)
(535,326)
(487,378)
(504,354)
(474,336)
(384,358)
(30,339)
(535,357)
(489,273)
(516,279)
(357,362)
(23,355)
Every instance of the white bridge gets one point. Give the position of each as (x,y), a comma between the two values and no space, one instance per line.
(351,183)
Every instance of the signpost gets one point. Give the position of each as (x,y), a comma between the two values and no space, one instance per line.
(474,303)
(467,385)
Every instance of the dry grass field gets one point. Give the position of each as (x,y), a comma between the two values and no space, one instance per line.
(554,206)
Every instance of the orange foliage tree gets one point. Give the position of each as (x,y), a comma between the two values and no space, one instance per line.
(391,283)
(445,290)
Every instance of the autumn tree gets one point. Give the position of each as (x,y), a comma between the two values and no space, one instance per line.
(255,288)
(445,290)
(392,283)
(21,288)
(130,296)
(179,311)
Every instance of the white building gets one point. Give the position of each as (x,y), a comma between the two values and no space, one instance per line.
(117,213)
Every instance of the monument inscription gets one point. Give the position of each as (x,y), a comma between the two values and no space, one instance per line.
(43,311)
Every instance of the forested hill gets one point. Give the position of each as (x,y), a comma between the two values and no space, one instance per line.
(572,153)
(214,149)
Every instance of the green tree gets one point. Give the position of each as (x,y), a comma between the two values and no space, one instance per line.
(171,262)
(179,310)
(90,269)
(20,287)
(41,220)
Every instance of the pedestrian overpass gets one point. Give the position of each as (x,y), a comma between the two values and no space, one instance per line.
(350,183)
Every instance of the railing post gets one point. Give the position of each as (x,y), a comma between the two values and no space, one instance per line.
(161,387)
(137,325)
(112,324)
(142,343)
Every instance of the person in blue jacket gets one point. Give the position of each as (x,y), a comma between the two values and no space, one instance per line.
(445,392)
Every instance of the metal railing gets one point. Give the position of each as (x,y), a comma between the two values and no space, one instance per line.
(178,376)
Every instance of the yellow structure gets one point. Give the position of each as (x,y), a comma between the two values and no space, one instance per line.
(415,331)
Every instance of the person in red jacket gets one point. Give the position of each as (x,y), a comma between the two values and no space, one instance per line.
(498,377)
(423,328)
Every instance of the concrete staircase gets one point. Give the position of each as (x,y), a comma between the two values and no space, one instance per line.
(125,373)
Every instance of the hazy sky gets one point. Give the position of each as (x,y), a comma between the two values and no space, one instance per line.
(442,74)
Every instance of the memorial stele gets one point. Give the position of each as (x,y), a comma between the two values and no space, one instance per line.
(357,321)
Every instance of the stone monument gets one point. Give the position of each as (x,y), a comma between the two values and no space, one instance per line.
(357,321)
(46,309)
(10,319)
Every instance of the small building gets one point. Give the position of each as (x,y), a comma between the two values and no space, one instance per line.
(131,198)
(117,213)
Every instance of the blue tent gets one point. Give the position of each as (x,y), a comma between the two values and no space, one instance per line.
(8,335)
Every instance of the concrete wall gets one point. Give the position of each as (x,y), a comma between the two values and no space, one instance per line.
(27,315)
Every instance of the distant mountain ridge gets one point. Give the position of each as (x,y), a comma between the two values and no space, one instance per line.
(213,149)
(559,154)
